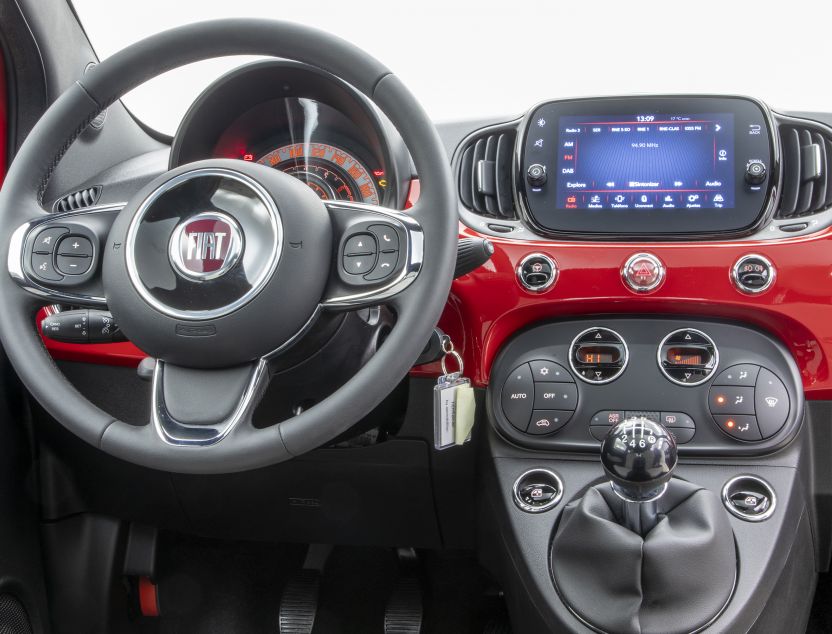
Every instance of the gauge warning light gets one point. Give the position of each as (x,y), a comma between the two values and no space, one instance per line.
(248,157)
(378,173)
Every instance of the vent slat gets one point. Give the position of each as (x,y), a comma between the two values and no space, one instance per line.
(791,171)
(503,167)
(78,200)
(819,194)
(485,174)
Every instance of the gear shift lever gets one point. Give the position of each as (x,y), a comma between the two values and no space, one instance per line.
(638,456)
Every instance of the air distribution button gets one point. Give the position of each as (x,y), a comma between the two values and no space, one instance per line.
(536,175)
(755,172)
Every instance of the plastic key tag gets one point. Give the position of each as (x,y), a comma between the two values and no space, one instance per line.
(454,407)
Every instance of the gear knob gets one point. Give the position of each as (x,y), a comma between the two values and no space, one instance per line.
(638,456)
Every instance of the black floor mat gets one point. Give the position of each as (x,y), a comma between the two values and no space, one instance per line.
(212,587)
(820,621)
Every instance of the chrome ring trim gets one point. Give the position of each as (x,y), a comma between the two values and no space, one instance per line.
(643,288)
(743,516)
(735,276)
(257,285)
(617,490)
(620,371)
(549,283)
(235,247)
(16,257)
(670,378)
(537,509)
(414,256)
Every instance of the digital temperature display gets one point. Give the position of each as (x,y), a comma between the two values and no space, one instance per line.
(593,355)
(684,356)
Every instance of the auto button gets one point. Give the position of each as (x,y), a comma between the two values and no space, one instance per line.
(517,398)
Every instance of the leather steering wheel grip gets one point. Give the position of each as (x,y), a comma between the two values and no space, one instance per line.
(418,308)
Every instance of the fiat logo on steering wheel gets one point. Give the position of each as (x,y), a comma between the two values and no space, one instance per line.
(206,246)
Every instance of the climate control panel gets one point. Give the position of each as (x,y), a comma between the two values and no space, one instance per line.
(719,388)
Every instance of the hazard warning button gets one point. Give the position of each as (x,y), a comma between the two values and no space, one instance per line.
(643,272)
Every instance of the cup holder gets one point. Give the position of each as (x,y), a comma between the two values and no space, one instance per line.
(750,498)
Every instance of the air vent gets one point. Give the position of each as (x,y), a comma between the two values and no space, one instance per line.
(806,154)
(78,200)
(485,169)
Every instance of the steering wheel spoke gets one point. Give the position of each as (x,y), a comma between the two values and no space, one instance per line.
(57,257)
(377,254)
(199,407)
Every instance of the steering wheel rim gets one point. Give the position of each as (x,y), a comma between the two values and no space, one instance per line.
(418,307)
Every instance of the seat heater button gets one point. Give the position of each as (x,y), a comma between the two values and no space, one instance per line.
(562,396)
(740,427)
(46,240)
(42,266)
(358,264)
(362,244)
(75,245)
(72,265)
(550,371)
(681,435)
(385,266)
(388,239)
(548,421)
(731,400)
(771,402)
(517,398)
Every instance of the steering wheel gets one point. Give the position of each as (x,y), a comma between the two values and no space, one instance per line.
(217,268)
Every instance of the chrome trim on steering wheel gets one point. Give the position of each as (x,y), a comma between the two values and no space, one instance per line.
(414,253)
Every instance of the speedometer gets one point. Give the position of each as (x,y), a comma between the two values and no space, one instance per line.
(330,172)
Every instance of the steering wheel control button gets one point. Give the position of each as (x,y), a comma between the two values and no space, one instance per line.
(740,427)
(643,272)
(750,498)
(537,490)
(563,396)
(755,173)
(688,357)
(517,398)
(388,238)
(536,175)
(362,244)
(743,375)
(537,272)
(771,401)
(44,269)
(46,240)
(730,399)
(753,274)
(76,246)
(598,355)
(358,264)
(548,421)
(385,266)
(549,371)
(72,265)
(81,326)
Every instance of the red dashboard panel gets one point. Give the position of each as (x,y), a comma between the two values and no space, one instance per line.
(487,306)
(4,119)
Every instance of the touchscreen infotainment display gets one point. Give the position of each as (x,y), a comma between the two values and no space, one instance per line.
(646,161)
(671,167)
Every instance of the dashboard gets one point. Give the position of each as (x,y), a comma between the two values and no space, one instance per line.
(299,120)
